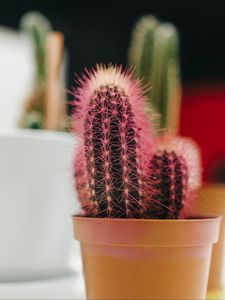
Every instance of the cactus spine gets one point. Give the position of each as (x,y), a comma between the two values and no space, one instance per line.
(36,27)
(155,58)
(175,178)
(112,165)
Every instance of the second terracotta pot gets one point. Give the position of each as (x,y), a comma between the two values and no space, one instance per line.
(212,201)
(146,259)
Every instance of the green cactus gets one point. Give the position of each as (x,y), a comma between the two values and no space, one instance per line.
(155,57)
(36,26)
(143,36)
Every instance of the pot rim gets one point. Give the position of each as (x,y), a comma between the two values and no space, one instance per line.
(194,218)
(148,232)
(211,185)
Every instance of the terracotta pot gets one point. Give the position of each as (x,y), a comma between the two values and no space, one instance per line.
(146,259)
(212,200)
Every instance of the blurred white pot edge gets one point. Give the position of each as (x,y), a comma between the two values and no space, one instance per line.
(40,134)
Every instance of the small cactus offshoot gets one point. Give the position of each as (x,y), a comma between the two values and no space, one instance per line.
(175,178)
(112,165)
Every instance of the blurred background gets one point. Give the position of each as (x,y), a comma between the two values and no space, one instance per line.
(101,32)
(98,31)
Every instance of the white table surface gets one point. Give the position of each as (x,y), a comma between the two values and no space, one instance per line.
(69,287)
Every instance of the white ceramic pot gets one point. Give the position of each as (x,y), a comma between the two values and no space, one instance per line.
(37,199)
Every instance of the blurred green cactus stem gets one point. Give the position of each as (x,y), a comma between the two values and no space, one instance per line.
(154,55)
(37,27)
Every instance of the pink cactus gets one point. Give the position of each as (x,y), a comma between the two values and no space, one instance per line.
(111,169)
(176,177)
(113,175)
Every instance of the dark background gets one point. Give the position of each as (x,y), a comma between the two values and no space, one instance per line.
(100,31)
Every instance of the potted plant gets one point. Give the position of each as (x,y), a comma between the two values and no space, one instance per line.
(138,237)
(45,108)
